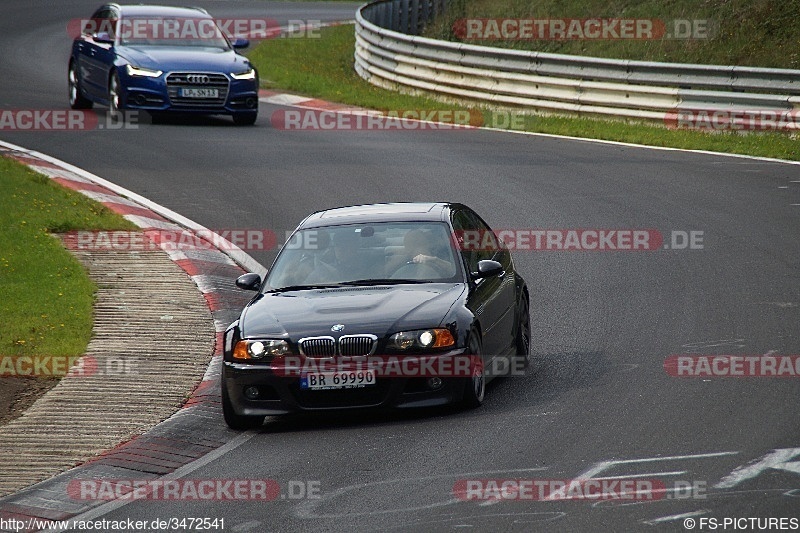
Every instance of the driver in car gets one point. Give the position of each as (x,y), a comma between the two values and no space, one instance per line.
(419,250)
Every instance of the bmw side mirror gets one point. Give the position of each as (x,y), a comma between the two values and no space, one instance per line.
(240,42)
(102,37)
(249,282)
(487,268)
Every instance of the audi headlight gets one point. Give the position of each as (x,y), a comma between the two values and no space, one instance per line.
(144,72)
(422,339)
(260,349)
(249,75)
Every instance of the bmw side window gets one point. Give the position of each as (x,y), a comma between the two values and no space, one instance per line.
(489,244)
(463,226)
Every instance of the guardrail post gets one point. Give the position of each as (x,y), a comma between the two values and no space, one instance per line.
(426,10)
(404,27)
(395,15)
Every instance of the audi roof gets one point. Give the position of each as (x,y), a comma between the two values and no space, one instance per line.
(142,10)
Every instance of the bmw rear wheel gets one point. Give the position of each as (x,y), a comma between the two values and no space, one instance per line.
(524,331)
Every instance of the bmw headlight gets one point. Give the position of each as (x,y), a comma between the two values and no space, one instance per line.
(249,75)
(143,72)
(422,339)
(260,349)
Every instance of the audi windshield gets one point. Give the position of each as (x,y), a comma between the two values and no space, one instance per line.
(155,31)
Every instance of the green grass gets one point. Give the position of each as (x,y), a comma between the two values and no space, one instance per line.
(323,68)
(761,33)
(47,297)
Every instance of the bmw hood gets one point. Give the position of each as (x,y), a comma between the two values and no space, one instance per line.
(376,310)
(185,58)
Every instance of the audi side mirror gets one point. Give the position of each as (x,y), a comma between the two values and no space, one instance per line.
(102,37)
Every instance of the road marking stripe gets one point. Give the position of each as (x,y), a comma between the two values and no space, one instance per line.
(674,517)
(599,467)
(277,99)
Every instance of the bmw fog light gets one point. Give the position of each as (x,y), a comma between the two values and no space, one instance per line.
(251,393)
(434,383)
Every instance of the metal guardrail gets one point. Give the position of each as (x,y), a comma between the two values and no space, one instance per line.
(391,54)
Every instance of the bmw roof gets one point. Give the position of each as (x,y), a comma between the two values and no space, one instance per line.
(390,212)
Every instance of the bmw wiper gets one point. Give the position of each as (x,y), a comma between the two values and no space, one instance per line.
(383,281)
(304,287)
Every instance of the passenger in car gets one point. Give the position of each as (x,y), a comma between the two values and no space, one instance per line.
(352,262)
(314,264)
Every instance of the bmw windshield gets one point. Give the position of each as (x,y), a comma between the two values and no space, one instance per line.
(383,253)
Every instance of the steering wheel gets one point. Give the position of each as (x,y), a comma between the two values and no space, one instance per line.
(412,270)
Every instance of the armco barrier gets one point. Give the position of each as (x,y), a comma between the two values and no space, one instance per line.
(390,53)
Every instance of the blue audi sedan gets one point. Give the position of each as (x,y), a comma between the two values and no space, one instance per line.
(161,60)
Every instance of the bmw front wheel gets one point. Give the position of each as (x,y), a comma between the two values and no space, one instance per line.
(475,387)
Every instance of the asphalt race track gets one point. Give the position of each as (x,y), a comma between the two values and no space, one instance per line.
(599,402)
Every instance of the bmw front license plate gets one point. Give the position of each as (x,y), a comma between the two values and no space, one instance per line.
(337,380)
(188,92)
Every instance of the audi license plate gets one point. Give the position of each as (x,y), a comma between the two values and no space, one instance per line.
(188,92)
(338,380)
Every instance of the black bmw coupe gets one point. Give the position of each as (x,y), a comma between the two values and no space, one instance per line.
(377,306)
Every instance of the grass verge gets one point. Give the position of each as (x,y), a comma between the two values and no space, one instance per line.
(46,305)
(758,33)
(323,68)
